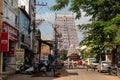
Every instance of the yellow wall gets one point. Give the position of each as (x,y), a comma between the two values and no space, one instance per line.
(45,49)
(0,32)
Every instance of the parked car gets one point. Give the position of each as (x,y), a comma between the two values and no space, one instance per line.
(103,66)
(94,65)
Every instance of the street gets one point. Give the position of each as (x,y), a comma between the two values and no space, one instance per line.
(71,74)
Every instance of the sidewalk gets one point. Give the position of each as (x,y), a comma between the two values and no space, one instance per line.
(4,75)
(58,73)
(62,72)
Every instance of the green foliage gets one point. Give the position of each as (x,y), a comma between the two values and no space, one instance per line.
(105,34)
(116,20)
(63,54)
(60,4)
(104,31)
(98,9)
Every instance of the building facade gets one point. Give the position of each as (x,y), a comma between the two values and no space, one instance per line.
(9,34)
(1,13)
(65,25)
(15,24)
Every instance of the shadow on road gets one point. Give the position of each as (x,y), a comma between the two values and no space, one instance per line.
(41,76)
(59,73)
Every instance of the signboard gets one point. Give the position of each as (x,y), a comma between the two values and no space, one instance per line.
(4,42)
(44,57)
(12,31)
(19,56)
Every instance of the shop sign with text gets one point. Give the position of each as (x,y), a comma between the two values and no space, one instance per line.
(4,42)
(12,31)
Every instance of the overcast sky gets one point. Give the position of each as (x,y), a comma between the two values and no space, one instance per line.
(44,12)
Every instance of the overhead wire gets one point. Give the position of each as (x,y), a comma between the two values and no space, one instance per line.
(44,10)
(38,9)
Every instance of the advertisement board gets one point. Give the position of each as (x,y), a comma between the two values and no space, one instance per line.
(4,42)
(19,56)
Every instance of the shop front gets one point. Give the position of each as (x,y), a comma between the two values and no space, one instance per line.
(28,52)
(8,43)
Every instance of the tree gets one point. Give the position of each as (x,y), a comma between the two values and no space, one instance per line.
(63,54)
(98,9)
(102,36)
(104,30)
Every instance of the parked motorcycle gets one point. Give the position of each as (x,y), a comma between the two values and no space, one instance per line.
(25,68)
(118,72)
(41,67)
(112,70)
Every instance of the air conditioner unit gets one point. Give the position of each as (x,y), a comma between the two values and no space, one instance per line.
(23,7)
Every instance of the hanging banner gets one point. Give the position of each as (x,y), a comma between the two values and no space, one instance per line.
(4,44)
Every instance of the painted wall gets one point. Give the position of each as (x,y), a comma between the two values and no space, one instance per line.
(9,15)
(24,24)
(45,49)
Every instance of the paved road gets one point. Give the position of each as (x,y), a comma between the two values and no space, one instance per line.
(73,74)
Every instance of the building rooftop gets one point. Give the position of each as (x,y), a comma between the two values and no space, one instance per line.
(47,37)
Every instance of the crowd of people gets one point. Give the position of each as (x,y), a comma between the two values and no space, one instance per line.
(74,64)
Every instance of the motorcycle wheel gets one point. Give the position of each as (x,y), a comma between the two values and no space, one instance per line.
(21,69)
(118,73)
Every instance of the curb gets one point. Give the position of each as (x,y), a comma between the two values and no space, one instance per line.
(3,78)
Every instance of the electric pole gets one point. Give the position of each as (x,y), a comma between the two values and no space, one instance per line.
(37,33)
(56,41)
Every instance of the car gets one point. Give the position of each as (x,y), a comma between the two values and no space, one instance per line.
(103,66)
(94,65)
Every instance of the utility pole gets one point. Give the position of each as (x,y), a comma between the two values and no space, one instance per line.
(37,33)
(56,42)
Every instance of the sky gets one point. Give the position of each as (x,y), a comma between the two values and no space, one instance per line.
(44,12)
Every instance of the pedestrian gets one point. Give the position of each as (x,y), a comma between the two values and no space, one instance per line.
(73,64)
(68,63)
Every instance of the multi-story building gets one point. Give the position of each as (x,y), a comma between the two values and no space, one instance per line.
(9,34)
(1,3)
(65,25)
(15,22)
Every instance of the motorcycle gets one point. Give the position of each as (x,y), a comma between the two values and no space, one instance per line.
(112,70)
(41,67)
(118,72)
(25,68)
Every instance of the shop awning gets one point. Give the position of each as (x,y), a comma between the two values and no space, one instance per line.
(27,48)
